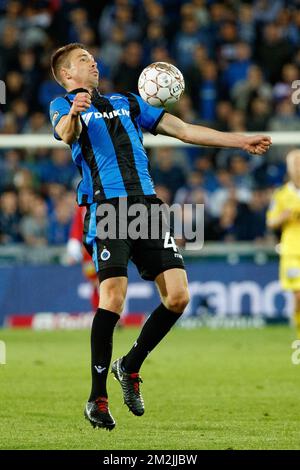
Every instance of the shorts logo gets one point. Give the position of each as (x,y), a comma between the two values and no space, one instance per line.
(105,255)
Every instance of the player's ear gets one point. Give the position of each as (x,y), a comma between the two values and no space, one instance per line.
(65,74)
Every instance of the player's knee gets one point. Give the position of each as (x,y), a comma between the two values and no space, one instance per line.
(114,304)
(177,301)
(112,297)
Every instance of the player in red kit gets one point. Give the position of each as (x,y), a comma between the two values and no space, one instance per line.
(77,253)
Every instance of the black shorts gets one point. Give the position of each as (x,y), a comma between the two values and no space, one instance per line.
(111,255)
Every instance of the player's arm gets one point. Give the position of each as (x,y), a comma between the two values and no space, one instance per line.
(193,134)
(278,213)
(69,127)
(275,222)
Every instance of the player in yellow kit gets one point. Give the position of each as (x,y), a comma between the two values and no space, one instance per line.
(284,214)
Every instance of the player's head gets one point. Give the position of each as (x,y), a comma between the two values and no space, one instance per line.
(74,67)
(293,165)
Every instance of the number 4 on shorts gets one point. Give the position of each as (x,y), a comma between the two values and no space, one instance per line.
(170,242)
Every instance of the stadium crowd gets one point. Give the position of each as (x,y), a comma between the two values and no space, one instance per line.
(238,58)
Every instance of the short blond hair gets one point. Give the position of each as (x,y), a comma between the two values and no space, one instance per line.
(59,59)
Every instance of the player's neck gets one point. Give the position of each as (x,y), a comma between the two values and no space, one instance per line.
(82,88)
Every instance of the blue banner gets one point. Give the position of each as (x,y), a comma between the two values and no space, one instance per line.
(217,288)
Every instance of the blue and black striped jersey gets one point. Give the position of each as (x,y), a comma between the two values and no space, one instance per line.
(109,152)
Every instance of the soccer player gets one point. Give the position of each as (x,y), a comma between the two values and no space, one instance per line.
(284,214)
(104,133)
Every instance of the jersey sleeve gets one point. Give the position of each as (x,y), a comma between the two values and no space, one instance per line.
(149,116)
(58,108)
(275,208)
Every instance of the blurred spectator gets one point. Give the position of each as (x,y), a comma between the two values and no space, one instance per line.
(14,86)
(238,67)
(204,165)
(26,198)
(30,74)
(112,49)
(78,18)
(49,90)
(282,89)
(273,52)
(254,86)
(223,110)
(259,115)
(9,48)
(38,124)
(155,37)
(34,226)
(119,14)
(208,92)
(240,171)
(238,58)
(19,108)
(186,42)
(166,173)
(266,11)
(193,75)
(9,166)
(60,223)
(185,194)
(286,118)
(225,228)
(246,25)
(9,218)
(251,220)
(59,169)
(184,109)
(226,191)
(13,16)
(128,72)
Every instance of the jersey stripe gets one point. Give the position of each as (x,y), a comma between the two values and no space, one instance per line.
(89,156)
(134,112)
(122,145)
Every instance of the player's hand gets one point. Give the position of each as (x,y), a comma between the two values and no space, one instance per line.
(81,103)
(257,144)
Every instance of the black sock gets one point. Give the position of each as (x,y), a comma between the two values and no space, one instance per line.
(101,348)
(153,331)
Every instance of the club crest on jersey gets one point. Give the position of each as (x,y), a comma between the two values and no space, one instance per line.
(105,255)
(54,117)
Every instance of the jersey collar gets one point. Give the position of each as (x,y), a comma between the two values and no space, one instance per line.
(78,90)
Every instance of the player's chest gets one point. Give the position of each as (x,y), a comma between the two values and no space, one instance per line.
(105,116)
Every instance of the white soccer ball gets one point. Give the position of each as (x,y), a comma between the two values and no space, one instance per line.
(161,84)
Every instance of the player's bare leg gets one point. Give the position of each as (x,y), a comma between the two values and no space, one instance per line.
(297,312)
(112,297)
(173,288)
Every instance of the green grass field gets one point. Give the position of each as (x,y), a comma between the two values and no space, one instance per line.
(203,389)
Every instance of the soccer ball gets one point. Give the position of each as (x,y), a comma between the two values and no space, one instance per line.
(161,84)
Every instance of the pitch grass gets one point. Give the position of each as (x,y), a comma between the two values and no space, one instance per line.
(203,389)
